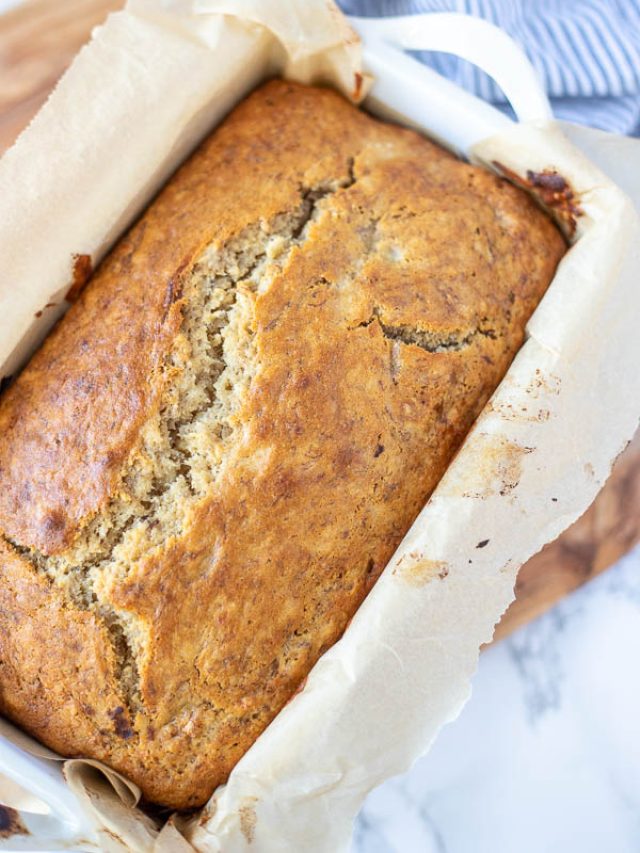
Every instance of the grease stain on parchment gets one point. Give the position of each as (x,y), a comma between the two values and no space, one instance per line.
(541,386)
(417,570)
(497,471)
(248,818)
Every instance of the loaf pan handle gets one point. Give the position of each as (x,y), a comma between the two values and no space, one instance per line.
(448,112)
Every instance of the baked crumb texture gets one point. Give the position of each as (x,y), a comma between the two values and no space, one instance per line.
(210,460)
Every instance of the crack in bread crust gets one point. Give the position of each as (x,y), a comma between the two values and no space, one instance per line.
(183,448)
(433,341)
(429,340)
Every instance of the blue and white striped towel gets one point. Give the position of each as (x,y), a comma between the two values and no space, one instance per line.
(587,52)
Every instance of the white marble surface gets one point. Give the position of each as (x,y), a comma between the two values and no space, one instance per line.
(546,754)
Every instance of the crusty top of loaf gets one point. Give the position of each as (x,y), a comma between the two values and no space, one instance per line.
(212,457)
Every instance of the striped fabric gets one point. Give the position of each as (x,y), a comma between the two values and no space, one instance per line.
(587,52)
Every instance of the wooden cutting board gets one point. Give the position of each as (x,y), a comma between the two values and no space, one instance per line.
(37,42)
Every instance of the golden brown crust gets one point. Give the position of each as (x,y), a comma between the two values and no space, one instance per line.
(374,345)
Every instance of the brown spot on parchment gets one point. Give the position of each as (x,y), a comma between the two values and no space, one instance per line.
(82,271)
(538,389)
(543,383)
(509,412)
(357,89)
(10,823)
(247,813)
(552,191)
(39,313)
(420,570)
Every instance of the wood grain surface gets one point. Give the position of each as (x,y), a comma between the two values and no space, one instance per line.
(37,42)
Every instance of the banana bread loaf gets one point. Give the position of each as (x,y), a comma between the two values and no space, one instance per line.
(209,461)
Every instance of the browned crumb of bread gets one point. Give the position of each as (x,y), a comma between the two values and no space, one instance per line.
(209,462)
